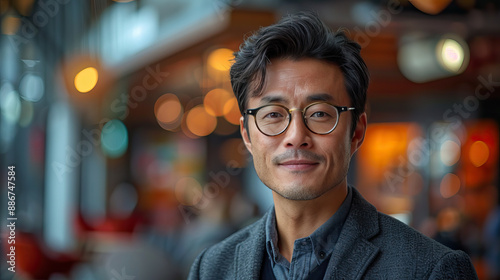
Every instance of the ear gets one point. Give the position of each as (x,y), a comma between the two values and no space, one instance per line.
(245,135)
(359,133)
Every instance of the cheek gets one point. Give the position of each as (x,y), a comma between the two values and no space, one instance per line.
(260,148)
(338,150)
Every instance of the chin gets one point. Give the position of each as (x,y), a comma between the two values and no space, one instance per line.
(302,192)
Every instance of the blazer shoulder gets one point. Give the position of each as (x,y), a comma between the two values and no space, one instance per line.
(397,234)
(433,259)
(220,260)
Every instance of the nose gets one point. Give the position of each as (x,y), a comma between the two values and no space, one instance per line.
(297,135)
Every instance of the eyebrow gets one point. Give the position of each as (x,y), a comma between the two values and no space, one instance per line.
(273,99)
(311,98)
(320,97)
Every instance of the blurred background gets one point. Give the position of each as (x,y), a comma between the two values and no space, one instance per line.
(121,124)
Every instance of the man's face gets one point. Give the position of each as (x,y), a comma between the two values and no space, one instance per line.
(298,164)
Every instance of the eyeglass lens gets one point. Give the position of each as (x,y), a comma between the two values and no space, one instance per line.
(319,118)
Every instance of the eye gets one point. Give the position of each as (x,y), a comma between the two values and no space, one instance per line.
(273,115)
(320,114)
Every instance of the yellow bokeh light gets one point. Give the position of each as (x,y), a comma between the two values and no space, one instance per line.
(168,109)
(231,111)
(450,185)
(188,191)
(452,55)
(479,153)
(200,122)
(221,59)
(86,79)
(215,100)
(450,152)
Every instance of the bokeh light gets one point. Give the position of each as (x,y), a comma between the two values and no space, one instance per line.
(425,59)
(31,87)
(168,111)
(449,152)
(432,7)
(220,59)
(200,122)
(215,100)
(114,138)
(86,79)
(188,191)
(479,153)
(450,185)
(232,111)
(10,25)
(10,103)
(452,55)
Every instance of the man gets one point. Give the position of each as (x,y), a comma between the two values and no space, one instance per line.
(302,91)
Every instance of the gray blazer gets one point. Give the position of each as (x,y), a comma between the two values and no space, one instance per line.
(371,245)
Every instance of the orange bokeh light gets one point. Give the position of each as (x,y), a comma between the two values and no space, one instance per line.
(168,111)
(479,153)
(215,100)
(450,185)
(232,111)
(86,79)
(200,122)
(221,59)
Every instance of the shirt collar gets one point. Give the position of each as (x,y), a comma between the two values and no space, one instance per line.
(272,237)
(323,239)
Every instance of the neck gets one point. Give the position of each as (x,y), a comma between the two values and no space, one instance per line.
(299,219)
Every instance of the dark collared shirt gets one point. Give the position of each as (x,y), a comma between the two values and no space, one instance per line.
(308,252)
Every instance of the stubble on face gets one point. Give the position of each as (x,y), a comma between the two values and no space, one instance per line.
(296,84)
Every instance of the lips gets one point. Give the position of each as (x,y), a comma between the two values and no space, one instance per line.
(298,164)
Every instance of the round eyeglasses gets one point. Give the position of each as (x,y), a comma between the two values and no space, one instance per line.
(319,117)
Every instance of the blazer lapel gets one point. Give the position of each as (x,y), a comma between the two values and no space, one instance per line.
(354,252)
(249,253)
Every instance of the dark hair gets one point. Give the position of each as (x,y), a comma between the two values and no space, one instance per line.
(301,35)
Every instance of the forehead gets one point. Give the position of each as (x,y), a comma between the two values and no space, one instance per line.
(300,81)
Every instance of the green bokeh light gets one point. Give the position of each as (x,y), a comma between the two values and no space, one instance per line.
(114,138)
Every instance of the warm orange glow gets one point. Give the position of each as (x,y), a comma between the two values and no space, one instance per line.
(200,122)
(450,185)
(480,150)
(215,100)
(25,7)
(479,153)
(86,79)
(10,25)
(432,7)
(168,111)
(389,140)
(386,160)
(188,191)
(450,152)
(220,59)
(232,111)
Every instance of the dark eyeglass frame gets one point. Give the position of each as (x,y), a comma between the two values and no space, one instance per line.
(339,109)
